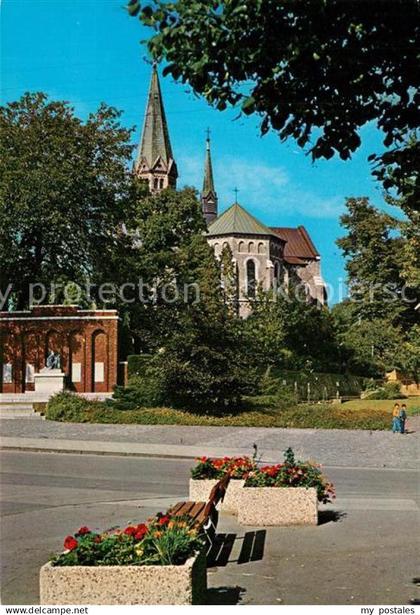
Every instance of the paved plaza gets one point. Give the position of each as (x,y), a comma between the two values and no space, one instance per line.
(365,550)
(347,448)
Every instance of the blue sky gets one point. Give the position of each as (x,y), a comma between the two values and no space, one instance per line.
(89,51)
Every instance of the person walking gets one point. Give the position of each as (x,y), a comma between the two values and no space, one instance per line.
(403,418)
(396,425)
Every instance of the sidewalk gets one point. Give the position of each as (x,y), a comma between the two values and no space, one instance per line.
(341,448)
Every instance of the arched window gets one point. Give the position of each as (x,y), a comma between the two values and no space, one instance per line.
(261,248)
(251,247)
(251,282)
(241,246)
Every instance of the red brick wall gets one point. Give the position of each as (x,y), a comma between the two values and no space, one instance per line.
(87,341)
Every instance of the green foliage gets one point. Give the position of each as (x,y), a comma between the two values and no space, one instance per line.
(137,364)
(285,332)
(167,540)
(322,386)
(333,65)
(64,186)
(373,248)
(215,468)
(390,390)
(260,413)
(66,407)
(292,473)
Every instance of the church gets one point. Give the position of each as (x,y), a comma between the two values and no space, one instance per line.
(263,257)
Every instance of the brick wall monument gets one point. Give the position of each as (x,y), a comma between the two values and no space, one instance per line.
(87,341)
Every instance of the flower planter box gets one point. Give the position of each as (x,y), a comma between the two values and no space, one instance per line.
(184,584)
(200,492)
(262,506)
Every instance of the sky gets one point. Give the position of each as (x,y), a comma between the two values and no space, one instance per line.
(89,51)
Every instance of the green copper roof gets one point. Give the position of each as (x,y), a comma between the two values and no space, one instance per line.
(237,221)
(208,183)
(155,138)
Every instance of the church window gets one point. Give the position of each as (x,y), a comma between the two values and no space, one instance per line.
(251,247)
(241,246)
(251,282)
(261,248)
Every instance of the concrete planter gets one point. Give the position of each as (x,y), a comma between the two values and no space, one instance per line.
(200,492)
(186,584)
(262,506)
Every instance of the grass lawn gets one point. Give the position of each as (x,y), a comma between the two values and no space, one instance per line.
(372,415)
(412,403)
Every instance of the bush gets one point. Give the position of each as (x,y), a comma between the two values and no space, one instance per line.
(322,385)
(142,390)
(137,364)
(66,407)
(390,390)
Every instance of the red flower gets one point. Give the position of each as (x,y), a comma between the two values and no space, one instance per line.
(130,530)
(82,531)
(97,539)
(70,543)
(141,530)
(163,520)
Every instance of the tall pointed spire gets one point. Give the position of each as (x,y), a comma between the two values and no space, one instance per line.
(208,195)
(155,162)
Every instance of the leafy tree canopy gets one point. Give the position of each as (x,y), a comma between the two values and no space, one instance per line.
(314,70)
(382,267)
(64,191)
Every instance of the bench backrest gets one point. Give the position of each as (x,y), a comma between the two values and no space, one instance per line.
(216,495)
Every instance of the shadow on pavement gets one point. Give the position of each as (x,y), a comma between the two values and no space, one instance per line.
(328,516)
(252,548)
(224,595)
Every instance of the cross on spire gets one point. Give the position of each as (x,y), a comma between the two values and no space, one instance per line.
(235,190)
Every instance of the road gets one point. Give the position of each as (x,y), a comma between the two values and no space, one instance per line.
(367,556)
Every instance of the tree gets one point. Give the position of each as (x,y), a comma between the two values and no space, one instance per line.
(375,253)
(313,70)
(163,226)
(65,189)
(367,347)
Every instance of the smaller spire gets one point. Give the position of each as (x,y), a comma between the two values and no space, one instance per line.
(208,194)
(208,182)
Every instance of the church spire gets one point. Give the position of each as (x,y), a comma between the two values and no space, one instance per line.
(208,194)
(155,163)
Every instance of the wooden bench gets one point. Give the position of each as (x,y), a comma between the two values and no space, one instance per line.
(204,514)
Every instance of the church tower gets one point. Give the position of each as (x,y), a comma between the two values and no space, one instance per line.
(208,194)
(155,163)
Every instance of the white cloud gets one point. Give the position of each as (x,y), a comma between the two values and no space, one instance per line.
(264,189)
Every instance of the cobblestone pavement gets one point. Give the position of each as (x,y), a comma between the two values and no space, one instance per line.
(331,447)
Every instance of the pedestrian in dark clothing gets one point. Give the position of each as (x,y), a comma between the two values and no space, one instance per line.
(403,417)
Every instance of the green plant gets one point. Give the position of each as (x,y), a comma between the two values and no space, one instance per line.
(390,390)
(137,364)
(216,468)
(292,473)
(164,541)
(66,406)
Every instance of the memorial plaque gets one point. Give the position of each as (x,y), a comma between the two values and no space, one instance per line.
(99,372)
(29,373)
(76,372)
(7,373)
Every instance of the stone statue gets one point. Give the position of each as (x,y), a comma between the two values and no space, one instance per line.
(53,360)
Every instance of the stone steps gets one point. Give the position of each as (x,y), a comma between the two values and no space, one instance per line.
(18,410)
